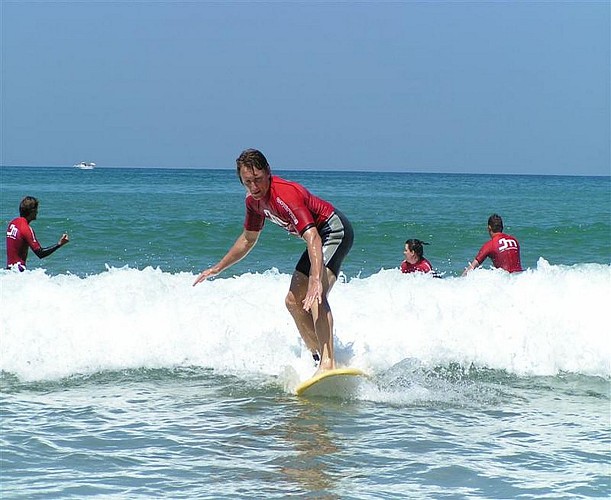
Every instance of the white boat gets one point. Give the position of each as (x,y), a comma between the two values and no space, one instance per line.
(85,166)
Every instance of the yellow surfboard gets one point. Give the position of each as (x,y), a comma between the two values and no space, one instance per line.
(337,383)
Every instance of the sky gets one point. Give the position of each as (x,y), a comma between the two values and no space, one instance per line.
(494,87)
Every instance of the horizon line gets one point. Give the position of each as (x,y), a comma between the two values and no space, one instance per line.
(330,170)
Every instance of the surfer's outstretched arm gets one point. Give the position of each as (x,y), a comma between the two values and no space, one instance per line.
(472,265)
(41,253)
(244,244)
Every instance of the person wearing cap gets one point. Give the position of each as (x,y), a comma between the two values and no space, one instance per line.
(503,249)
(328,236)
(20,236)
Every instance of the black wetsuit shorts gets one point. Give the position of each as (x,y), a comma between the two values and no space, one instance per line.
(337,238)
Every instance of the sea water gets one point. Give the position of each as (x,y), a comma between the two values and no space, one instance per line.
(119,379)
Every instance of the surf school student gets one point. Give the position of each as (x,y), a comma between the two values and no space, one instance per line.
(503,249)
(20,236)
(328,236)
(414,258)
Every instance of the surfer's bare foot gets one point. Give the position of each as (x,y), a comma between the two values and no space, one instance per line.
(325,365)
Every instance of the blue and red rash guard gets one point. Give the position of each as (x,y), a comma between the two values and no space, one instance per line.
(289,205)
(19,238)
(504,250)
(422,266)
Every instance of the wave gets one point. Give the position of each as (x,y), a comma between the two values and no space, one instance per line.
(543,322)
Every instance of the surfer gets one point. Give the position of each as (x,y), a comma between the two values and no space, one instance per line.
(328,236)
(20,236)
(414,258)
(503,249)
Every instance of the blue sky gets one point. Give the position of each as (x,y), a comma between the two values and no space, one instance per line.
(467,87)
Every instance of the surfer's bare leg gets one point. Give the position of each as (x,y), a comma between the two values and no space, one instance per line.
(315,326)
(323,325)
(303,319)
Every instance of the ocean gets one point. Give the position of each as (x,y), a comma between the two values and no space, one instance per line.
(119,379)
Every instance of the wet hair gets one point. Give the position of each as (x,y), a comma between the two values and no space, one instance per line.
(28,206)
(496,223)
(253,159)
(416,246)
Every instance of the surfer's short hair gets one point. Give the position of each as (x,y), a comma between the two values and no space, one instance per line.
(496,223)
(28,206)
(253,159)
(416,246)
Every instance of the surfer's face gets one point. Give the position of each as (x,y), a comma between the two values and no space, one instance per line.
(410,255)
(255,181)
(33,215)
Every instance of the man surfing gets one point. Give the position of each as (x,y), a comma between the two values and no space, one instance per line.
(328,236)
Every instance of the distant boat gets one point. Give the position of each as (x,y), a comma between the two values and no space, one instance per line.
(85,166)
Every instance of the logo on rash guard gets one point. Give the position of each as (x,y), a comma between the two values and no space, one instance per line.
(276,220)
(288,210)
(507,244)
(12,231)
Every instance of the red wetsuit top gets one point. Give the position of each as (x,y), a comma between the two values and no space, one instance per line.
(422,266)
(19,237)
(504,250)
(289,205)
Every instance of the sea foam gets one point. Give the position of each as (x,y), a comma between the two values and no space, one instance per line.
(544,321)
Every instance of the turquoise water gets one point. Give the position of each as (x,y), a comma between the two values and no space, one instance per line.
(182,220)
(121,380)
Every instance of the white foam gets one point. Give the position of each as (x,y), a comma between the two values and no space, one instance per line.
(540,322)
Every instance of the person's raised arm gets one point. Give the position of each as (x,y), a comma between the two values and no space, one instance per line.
(41,253)
(244,244)
(315,288)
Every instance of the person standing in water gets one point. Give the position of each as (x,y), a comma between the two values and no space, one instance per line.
(502,248)
(414,258)
(328,236)
(20,236)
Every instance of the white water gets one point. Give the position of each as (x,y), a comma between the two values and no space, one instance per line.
(544,321)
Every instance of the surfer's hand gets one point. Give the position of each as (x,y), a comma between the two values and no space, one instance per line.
(314,293)
(63,240)
(204,275)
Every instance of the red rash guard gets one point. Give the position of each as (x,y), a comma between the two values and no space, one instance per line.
(19,238)
(289,205)
(504,250)
(422,266)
